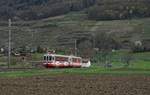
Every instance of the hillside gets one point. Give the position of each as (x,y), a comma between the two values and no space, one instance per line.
(58,23)
(96,9)
(38,9)
(119,9)
(62,31)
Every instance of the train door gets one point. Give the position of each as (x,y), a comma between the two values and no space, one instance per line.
(70,61)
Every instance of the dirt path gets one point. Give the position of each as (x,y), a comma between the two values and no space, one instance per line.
(96,26)
(76,85)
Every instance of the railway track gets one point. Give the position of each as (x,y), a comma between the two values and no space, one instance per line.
(35,65)
(18,69)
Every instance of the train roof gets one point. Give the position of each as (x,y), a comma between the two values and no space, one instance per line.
(61,55)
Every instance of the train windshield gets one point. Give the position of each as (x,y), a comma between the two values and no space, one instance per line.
(48,58)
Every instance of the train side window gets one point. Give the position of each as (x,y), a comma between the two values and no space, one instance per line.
(75,60)
(79,60)
(53,58)
(70,60)
(59,58)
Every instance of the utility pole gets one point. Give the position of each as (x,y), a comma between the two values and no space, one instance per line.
(75,47)
(9,43)
(32,38)
(94,41)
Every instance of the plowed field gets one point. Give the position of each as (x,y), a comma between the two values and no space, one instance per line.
(76,85)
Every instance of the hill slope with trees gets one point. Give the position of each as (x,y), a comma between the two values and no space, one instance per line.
(38,9)
(119,9)
(41,29)
(96,9)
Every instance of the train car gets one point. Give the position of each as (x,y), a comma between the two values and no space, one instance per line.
(63,61)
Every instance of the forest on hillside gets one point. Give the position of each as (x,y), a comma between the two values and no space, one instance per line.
(38,9)
(96,9)
(119,9)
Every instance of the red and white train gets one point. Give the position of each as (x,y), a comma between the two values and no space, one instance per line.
(63,61)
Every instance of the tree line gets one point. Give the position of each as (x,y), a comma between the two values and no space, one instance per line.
(119,9)
(96,9)
(38,9)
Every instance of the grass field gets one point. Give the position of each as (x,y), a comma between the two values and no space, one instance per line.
(94,70)
(139,65)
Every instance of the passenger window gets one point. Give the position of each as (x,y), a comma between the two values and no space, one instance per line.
(53,58)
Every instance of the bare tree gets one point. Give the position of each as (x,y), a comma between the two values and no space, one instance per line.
(85,49)
(105,43)
(127,59)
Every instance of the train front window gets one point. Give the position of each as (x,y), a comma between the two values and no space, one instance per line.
(48,58)
(45,58)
